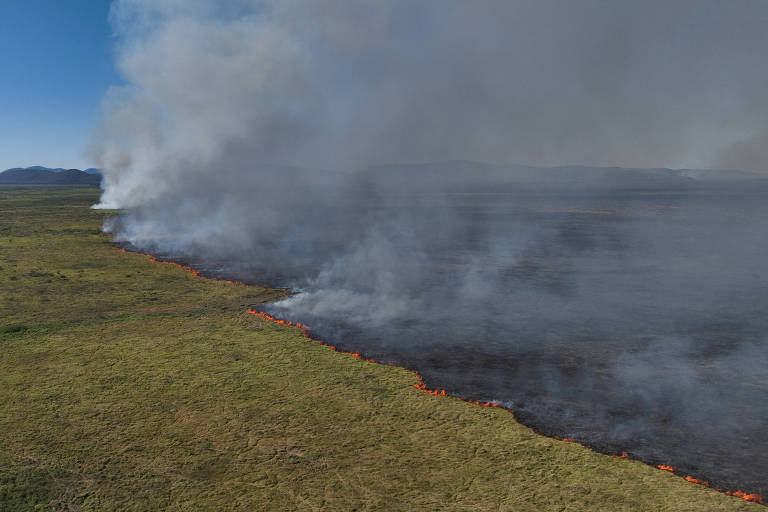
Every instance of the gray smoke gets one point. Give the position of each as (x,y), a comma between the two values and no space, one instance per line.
(261,140)
(346,84)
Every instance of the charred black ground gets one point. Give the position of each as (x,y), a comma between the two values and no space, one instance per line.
(619,306)
(629,317)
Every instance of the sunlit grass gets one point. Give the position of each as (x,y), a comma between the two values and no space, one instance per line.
(128,385)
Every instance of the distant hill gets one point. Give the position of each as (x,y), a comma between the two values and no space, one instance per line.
(90,170)
(465,175)
(44,176)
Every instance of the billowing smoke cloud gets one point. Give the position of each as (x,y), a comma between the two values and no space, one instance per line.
(344,84)
(262,140)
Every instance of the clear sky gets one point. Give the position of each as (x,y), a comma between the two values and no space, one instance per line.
(56,63)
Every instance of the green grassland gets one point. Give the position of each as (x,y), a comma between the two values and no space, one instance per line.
(130,385)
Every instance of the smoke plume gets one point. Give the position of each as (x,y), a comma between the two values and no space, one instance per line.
(264,140)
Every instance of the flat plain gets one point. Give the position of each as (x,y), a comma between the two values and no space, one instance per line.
(131,385)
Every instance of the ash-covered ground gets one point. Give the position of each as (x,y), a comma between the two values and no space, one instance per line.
(623,307)
(629,316)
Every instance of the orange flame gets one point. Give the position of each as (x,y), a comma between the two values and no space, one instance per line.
(185,268)
(752,497)
(696,481)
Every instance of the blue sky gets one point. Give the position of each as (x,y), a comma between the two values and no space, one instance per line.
(56,63)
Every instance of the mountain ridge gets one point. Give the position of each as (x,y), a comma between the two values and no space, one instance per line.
(45,176)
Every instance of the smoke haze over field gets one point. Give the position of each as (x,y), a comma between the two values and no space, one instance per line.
(261,139)
(348,83)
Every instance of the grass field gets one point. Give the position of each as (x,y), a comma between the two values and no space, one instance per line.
(130,385)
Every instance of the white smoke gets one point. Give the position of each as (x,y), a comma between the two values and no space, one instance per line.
(254,135)
(213,90)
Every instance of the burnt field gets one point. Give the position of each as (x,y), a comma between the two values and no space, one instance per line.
(483,194)
(631,319)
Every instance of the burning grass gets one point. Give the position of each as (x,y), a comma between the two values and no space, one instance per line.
(130,385)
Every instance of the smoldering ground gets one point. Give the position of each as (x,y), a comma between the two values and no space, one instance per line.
(629,318)
(619,307)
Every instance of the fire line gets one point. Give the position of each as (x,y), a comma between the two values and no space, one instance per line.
(422,386)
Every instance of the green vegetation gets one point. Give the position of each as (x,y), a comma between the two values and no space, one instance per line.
(129,385)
